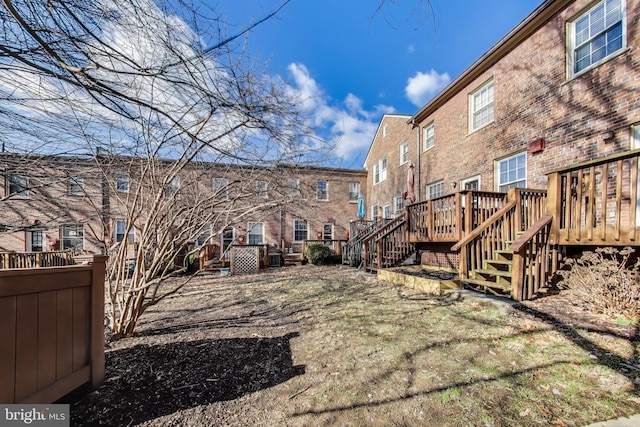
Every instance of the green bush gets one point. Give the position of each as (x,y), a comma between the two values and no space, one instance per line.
(604,281)
(317,253)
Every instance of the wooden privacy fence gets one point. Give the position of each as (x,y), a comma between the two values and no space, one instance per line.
(51,331)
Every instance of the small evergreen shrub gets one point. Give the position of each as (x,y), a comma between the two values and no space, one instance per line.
(604,281)
(317,253)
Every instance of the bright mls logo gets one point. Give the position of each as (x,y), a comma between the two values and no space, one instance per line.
(37,415)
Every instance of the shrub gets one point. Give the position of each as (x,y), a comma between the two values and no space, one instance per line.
(604,282)
(317,253)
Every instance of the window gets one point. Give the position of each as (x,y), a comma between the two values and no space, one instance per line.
(173,187)
(261,189)
(596,35)
(512,172)
(386,212)
(294,188)
(255,233)
(75,185)
(428,136)
(404,152)
(435,190)
(18,185)
(327,231)
(228,235)
(300,230)
(72,237)
(122,182)
(220,188)
(205,236)
(322,191)
(354,190)
(635,137)
(35,241)
(481,106)
(384,130)
(120,229)
(472,183)
(398,204)
(374,212)
(380,171)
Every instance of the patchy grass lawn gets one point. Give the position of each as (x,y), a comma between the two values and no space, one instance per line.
(303,346)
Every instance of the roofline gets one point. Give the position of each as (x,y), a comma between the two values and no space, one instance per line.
(378,130)
(513,38)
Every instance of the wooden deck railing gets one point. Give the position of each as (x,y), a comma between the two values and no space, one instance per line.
(370,243)
(596,203)
(52,333)
(450,218)
(392,247)
(352,251)
(35,259)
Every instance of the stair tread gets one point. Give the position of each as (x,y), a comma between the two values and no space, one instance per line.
(504,273)
(487,283)
(499,261)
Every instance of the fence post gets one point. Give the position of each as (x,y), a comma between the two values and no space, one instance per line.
(517,276)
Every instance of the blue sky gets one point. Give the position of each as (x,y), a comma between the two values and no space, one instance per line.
(353,64)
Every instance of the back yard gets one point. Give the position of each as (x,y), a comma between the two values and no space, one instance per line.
(317,346)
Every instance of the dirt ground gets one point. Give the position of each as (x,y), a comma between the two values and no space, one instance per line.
(301,346)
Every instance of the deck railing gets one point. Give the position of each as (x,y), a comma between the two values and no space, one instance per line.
(353,250)
(370,243)
(35,259)
(596,203)
(393,247)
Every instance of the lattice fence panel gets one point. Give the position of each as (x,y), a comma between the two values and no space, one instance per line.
(245,260)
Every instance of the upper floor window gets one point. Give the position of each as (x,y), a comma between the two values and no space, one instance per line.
(512,172)
(220,190)
(380,170)
(354,190)
(300,230)
(261,189)
(322,191)
(435,190)
(75,185)
(122,181)
(428,136)
(404,152)
(17,185)
(173,187)
(596,34)
(384,130)
(481,106)
(294,188)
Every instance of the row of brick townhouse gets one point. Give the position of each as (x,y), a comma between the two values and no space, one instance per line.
(89,204)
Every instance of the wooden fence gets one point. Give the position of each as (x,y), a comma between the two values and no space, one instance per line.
(35,259)
(52,331)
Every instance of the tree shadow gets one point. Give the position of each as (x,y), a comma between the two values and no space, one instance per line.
(145,382)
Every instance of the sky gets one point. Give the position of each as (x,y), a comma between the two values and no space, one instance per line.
(353,62)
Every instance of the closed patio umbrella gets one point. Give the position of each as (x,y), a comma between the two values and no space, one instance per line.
(361,211)
(411,195)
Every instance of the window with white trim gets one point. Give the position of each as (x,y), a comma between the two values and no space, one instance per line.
(386,212)
(596,35)
(374,212)
(322,190)
(354,190)
(435,190)
(472,183)
(72,237)
(384,130)
(220,188)
(120,230)
(428,136)
(35,240)
(512,172)
(380,170)
(17,185)
(635,137)
(398,204)
(404,152)
(300,230)
(327,231)
(481,106)
(261,189)
(255,233)
(122,181)
(294,188)
(75,185)
(173,187)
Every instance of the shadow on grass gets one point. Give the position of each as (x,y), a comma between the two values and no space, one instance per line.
(146,382)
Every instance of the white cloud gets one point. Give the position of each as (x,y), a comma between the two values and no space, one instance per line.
(423,86)
(345,124)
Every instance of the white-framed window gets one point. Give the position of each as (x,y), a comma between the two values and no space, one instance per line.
(221,188)
(122,182)
(354,190)
(472,183)
(380,170)
(398,204)
(428,136)
(435,190)
(635,137)
(173,187)
(374,212)
(75,185)
(596,35)
(327,231)
(261,189)
(322,190)
(255,233)
(17,185)
(481,106)
(72,237)
(205,235)
(386,212)
(35,240)
(120,231)
(404,152)
(300,230)
(385,130)
(512,172)
(226,239)
(294,188)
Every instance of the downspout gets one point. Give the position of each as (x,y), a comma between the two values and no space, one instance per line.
(417,178)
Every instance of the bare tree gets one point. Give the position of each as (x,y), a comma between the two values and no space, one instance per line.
(156,90)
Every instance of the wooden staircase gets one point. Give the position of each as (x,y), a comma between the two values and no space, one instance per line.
(496,274)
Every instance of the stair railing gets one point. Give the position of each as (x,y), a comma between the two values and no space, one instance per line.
(352,251)
(392,247)
(371,256)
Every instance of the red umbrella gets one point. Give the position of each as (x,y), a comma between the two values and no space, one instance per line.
(411,195)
